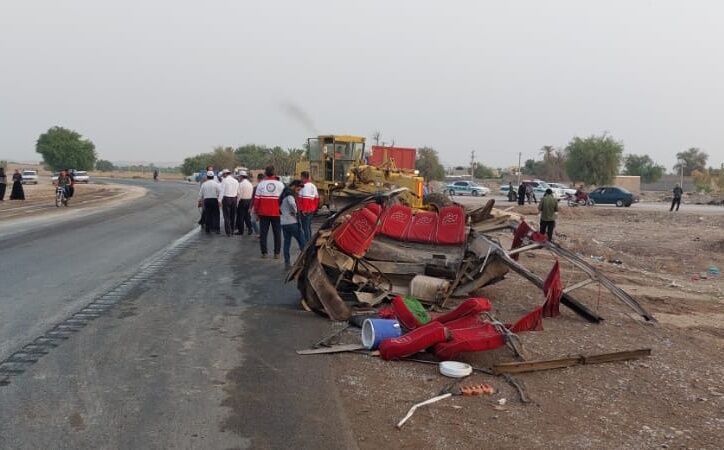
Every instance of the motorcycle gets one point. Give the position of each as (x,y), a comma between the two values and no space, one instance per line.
(579,200)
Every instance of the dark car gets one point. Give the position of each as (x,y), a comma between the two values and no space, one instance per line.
(613,195)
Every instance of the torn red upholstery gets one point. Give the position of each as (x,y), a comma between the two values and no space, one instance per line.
(403,314)
(396,221)
(553,289)
(376,208)
(520,232)
(355,235)
(539,237)
(423,227)
(476,339)
(466,308)
(451,225)
(415,341)
(533,321)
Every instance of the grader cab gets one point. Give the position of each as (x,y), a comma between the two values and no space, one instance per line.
(337,165)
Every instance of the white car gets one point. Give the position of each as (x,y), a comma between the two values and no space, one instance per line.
(81,176)
(29,177)
(562,187)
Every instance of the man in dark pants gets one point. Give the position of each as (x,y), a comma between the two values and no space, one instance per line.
(521,194)
(209,196)
(246,195)
(229,193)
(548,207)
(678,192)
(266,206)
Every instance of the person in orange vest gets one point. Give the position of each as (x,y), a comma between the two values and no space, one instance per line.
(266,207)
(308,204)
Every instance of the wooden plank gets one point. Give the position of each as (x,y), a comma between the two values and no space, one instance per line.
(617,356)
(559,363)
(333,349)
(524,249)
(533,366)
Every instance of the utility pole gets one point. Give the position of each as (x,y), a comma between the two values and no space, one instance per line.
(472,165)
(682,163)
(520,154)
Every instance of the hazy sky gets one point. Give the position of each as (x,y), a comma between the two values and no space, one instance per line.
(162,80)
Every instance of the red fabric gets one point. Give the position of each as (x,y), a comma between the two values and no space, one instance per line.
(403,314)
(355,235)
(466,308)
(395,221)
(470,321)
(533,321)
(553,289)
(386,312)
(451,225)
(423,227)
(520,232)
(415,341)
(375,208)
(266,197)
(537,236)
(476,339)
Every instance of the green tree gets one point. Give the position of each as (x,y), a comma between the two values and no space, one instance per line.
(62,148)
(593,160)
(428,163)
(253,156)
(643,166)
(224,158)
(104,165)
(694,159)
(483,171)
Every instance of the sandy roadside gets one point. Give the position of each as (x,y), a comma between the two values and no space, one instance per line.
(40,202)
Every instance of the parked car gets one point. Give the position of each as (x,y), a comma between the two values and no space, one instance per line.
(613,195)
(81,176)
(562,187)
(467,187)
(30,176)
(539,189)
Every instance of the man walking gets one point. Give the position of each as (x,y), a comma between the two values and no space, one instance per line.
(548,208)
(245,195)
(678,192)
(228,197)
(209,197)
(290,227)
(308,205)
(266,206)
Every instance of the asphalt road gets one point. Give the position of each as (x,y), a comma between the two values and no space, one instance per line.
(200,354)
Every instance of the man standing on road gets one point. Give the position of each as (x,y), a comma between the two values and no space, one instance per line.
(308,205)
(266,206)
(548,208)
(228,197)
(521,194)
(678,192)
(209,197)
(245,194)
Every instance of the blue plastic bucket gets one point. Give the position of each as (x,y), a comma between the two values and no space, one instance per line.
(374,331)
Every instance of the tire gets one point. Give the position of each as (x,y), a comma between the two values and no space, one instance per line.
(572,203)
(475,193)
(57,200)
(619,203)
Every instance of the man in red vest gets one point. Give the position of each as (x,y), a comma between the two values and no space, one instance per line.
(266,207)
(308,202)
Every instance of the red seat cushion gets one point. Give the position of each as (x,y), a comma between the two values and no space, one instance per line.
(471,306)
(415,341)
(451,225)
(423,227)
(479,338)
(355,235)
(395,221)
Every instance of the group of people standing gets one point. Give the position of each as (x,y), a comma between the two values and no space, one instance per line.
(285,209)
(17,192)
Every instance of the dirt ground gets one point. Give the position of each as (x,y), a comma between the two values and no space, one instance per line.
(40,198)
(673,399)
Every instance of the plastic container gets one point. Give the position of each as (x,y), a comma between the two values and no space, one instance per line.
(455,369)
(374,331)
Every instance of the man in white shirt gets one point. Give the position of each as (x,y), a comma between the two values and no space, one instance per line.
(209,198)
(245,195)
(228,199)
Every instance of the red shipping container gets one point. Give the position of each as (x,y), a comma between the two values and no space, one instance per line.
(404,157)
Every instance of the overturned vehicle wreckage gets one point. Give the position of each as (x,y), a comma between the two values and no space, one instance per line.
(381,250)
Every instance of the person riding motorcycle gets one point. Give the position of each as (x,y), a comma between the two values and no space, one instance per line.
(581,195)
(64,181)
